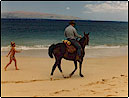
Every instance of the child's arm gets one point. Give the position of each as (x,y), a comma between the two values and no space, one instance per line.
(9,53)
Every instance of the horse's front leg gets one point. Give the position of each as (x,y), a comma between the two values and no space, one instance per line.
(75,63)
(80,66)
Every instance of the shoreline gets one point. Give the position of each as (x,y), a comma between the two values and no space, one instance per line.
(89,53)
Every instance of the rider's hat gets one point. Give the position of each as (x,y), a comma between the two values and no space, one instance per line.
(72,22)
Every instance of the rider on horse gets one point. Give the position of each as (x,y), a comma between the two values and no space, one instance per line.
(71,35)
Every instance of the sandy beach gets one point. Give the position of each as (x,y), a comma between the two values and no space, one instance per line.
(103,77)
(34,32)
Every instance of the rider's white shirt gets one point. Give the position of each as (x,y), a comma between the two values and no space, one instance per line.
(70,32)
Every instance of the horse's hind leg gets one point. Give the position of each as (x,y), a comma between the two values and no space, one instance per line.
(59,66)
(57,63)
(75,63)
(53,69)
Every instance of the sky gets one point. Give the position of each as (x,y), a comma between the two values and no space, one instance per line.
(89,10)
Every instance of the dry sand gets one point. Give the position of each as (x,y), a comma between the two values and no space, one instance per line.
(103,77)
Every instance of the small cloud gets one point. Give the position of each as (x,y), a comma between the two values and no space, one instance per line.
(67,8)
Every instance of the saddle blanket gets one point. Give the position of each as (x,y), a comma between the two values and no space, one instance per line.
(69,46)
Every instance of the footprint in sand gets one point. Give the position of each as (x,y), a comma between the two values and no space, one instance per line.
(112,84)
(116,92)
(97,82)
(107,89)
(74,88)
(122,90)
(104,80)
(114,77)
(125,82)
(94,92)
(57,92)
(36,96)
(122,75)
(110,95)
(90,84)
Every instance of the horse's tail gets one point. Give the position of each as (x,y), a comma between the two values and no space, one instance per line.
(50,50)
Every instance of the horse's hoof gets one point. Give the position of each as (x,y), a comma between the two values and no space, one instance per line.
(65,77)
(69,76)
(81,75)
(51,78)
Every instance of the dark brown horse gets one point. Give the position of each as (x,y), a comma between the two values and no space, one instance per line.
(59,51)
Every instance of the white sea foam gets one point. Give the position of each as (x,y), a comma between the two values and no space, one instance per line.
(7,48)
(37,47)
(103,46)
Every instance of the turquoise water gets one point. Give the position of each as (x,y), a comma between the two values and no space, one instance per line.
(41,33)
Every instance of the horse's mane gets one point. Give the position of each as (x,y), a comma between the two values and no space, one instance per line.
(81,41)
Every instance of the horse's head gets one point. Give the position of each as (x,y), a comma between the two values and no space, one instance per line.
(86,36)
(84,40)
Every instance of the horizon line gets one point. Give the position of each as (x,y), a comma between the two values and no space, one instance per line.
(89,20)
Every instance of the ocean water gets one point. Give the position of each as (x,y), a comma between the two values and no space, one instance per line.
(41,33)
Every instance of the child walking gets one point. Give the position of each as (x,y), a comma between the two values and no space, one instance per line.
(12,56)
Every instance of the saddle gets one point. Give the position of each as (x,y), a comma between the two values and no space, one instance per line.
(70,48)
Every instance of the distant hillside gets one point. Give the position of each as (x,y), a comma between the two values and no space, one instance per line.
(34,15)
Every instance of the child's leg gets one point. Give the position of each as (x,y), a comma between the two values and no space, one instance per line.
(8,64)
(15,64)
